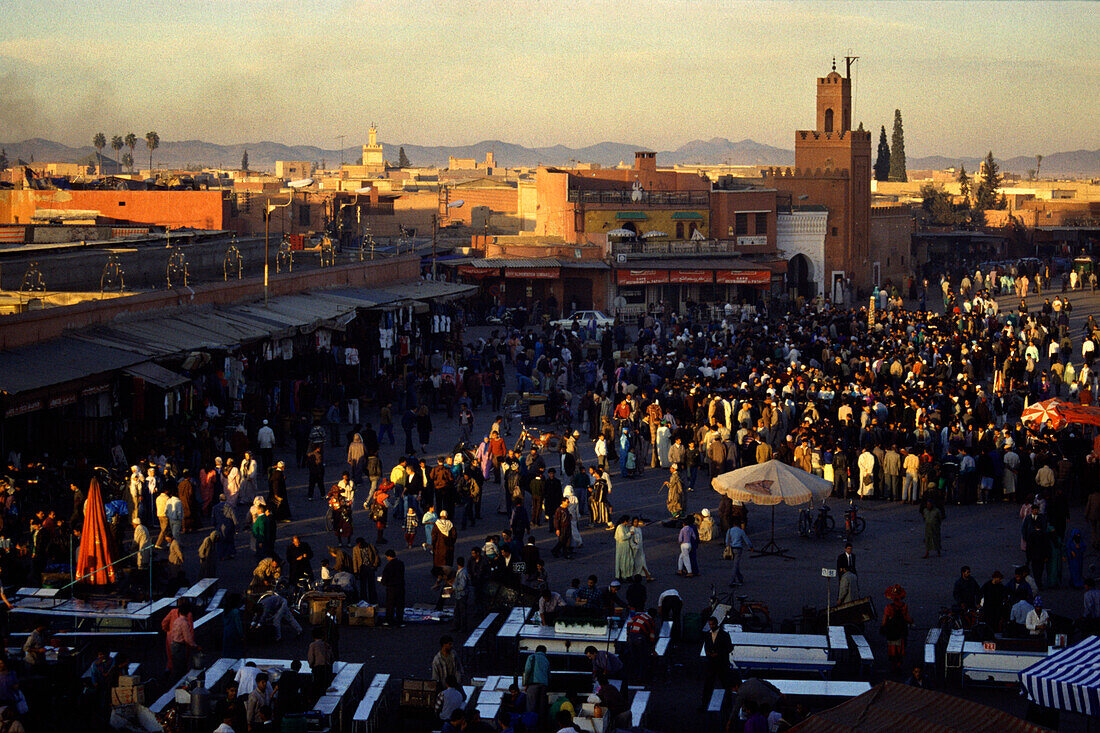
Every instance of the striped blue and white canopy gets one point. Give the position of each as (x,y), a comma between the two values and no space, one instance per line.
(1067,680)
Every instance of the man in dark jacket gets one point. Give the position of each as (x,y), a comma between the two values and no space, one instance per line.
(393,580)
(716,664)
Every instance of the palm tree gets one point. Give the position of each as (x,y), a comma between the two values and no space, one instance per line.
(128,161)
(100,142)
(131,142)
(152,141)
(116,144)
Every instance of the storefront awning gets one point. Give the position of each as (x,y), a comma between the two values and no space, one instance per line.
(744,277)
(641,277)
(156,375)
(630,215)
(686,215)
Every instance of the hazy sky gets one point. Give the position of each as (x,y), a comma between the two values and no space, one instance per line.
(1017,78)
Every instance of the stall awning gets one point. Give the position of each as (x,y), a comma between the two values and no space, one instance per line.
(630,215)
(1067,680)
(686,215)
(156,375)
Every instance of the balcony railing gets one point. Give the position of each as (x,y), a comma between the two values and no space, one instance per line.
(689,247)
(640,198)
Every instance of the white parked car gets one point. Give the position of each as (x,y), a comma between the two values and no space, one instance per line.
(584,318)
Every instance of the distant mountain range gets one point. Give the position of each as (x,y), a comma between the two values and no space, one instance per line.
(717,150)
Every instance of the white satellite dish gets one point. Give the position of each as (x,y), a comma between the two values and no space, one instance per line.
(455,204)
(301,183)
(364,189)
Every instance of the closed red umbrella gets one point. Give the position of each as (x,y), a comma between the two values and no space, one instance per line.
(93,563)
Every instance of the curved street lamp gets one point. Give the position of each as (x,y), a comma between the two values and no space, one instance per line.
(294,186)
(435,229)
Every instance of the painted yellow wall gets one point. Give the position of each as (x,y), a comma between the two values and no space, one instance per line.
(656,220)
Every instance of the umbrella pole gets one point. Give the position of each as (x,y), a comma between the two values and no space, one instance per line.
(772,548)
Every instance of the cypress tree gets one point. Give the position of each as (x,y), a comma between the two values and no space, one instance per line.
(882,159)
(897,151)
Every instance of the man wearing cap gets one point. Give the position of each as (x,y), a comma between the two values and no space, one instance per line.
(265,439)
(1038,619)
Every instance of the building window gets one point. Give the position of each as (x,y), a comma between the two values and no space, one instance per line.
(679,230)
(121,203)
(887,261)
(833,231)
(741,224)
(828,120)
(761,223)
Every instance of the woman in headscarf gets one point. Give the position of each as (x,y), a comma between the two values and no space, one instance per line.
(624,549)
(225,518)
(444,537)
(664,443)
(1075,558)
(675,499)
(185,489)
(276,493)
(210,485)
(484,457)
(574,515)
(341,510)
(356,458)
(232,482)
(257,523)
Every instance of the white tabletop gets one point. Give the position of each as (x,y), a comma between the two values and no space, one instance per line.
(821,688)
(805,641)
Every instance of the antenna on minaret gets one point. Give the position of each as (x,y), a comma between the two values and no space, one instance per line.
(848,61)
(834,63)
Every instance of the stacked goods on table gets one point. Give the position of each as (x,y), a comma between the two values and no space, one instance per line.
(130,691)
(362,614)
(581,621)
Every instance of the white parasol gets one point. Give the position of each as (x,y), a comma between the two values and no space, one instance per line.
(621,233)
(771,483)
(654,234)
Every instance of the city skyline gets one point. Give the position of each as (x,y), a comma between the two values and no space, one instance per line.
(1018,78)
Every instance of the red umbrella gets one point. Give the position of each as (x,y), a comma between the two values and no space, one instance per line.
(1046,411)
(93,564)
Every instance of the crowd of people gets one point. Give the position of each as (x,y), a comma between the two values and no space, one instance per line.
(885,403)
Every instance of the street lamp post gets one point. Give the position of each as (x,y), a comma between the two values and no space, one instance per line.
(435,230)
(293,185)
(340,215)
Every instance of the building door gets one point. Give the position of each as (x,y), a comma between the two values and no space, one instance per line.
(800,276)
(838,287)
(577,293)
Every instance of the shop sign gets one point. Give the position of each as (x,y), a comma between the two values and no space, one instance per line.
(690,276)
(24,408)
(744,277)
(91,391)
(535,273)
(62,400)
(758,240)
(471,271)
(641,277)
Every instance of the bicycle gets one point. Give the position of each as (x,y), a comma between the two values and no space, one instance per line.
(751,615)
(853,523)
(955,617)
(818,526)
